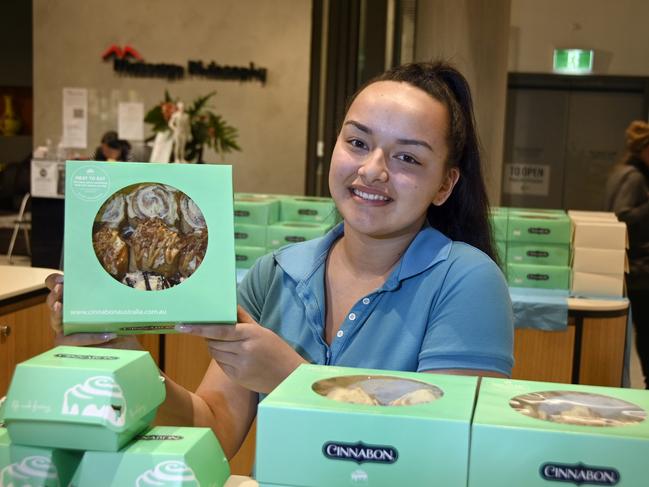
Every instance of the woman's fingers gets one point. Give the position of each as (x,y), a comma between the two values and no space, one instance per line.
(53,279)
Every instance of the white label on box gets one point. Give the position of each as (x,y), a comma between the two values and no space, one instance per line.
(528,179)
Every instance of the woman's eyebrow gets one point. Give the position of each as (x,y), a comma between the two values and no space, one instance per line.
(367,130)
(359,126)
(415,142)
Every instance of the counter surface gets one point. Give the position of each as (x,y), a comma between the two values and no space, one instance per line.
(17,280)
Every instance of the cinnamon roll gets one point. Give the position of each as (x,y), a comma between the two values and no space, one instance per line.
(155,248)
(112,212)
(191,217)
(111,251)
(192,253)
(152,201)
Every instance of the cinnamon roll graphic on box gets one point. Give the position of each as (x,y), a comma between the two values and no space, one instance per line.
(150,236)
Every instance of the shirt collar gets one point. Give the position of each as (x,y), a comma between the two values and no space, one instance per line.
(429,247)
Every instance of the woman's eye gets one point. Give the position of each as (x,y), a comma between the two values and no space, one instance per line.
(408,159)
(357,144)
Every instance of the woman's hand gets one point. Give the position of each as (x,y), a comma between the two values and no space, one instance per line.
(54,283)
(248,353)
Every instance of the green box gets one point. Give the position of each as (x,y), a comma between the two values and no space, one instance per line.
(538,434)
(305,437)
(538,276)
(498,220)
(34,467)
(256,209)
(82,398)
(249,235)
(154,241)
(284,233)
(247,256)
(166,456)
(538,253)
(309,209)
(538,227)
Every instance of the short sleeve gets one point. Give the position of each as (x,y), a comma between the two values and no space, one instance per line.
(252,290)
(471,323)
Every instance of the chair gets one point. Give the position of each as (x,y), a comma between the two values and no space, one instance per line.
(20,223)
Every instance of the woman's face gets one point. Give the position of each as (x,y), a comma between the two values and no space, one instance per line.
(389,162)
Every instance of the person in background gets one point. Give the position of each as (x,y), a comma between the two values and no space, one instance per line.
(112,148)
(627,194)
(406,282)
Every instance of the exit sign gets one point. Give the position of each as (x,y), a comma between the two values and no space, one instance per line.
(573,61)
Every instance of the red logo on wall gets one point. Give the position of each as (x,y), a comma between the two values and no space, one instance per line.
(116,52)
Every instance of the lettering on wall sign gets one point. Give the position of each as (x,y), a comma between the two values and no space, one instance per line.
(127,61)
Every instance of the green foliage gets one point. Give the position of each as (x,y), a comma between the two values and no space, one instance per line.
(207,127)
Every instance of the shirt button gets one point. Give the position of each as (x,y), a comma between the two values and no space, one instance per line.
(340,333)
(352,316)
(366,300)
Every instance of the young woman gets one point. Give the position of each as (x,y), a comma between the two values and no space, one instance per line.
(406,282)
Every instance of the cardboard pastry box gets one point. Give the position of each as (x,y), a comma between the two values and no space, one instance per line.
(35,466)
(83,398)
(334,426)
(540,434)
(165,456)
(154,243)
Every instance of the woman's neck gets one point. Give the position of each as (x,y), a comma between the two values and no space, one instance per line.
(370,257)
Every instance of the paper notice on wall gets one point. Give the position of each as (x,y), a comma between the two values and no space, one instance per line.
(75,118)
(130,120)
(527,179)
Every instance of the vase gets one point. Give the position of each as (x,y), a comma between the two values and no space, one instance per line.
(9,122)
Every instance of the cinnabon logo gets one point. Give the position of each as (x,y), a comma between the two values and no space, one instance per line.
(538,277)
(579,474)
(538,230)
(294,239)
(360,452)
(537,253)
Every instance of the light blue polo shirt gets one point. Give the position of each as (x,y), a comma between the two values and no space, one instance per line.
(445,306)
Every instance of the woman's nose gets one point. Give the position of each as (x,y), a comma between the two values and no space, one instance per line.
(374,167)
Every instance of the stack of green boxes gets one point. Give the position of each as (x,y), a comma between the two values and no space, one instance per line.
(538,248)
(265,222)
(81,417)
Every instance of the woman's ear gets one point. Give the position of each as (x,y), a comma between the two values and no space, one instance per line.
(445,190)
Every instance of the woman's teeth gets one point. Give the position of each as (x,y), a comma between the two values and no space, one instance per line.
(368,196)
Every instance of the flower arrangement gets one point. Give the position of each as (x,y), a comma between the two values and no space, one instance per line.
(207,127)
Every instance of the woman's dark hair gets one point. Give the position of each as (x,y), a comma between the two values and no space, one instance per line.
(464,215)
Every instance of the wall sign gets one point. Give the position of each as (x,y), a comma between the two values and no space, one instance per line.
(128,62)
(529,179)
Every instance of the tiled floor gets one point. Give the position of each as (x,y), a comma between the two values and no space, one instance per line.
(635,371)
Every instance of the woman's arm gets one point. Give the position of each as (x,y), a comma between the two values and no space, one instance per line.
(218,403)
(631,203)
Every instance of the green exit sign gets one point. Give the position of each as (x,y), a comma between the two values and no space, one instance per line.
(573,61)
